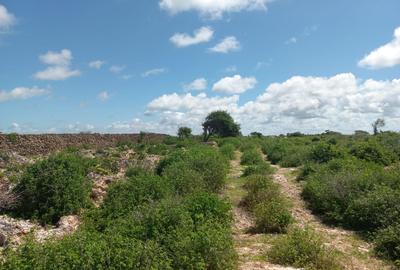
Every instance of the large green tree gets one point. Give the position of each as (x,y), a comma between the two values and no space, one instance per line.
(220,123)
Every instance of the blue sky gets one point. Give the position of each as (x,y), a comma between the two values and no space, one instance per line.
(126,66)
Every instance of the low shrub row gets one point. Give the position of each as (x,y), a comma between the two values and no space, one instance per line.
(265,201)
(303,248)
(360,195)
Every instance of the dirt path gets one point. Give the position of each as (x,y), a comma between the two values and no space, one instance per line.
(357,254)
(250,247)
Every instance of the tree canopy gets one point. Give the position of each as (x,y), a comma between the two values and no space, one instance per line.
(184,132)
(220,123)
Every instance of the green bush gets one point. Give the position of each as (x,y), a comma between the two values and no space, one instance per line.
(54,187)
(12,137)
(204,206)
(251,157)
(387,243)
(125,196)
(228,150)
(259,189)
(323,152)
(375,209)
(137,170)
(157,149)
(88,250)
(261,169)
(105,165)
(183,179)
(272,216)
(303,248)
(371,151)
(175,156)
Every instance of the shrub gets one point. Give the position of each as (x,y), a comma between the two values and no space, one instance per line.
(374,210)
(125,196)
(387,243)
(260,189)
(324,152)
(212,166)
(261,169)
(175,156)
(228,150)
(204,206)
(183,179)
(251,157)
(371,151)
(303,248)
(125,145)
(157,149)
(88,250)
(105,165)
(12,137)
(272,216)
(137,170)
(52,188)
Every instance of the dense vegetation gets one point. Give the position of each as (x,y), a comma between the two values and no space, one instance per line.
(351,181)
(172,216)
(170,220)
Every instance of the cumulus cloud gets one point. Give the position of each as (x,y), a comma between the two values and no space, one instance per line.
(153,72)
(307,104)
(59,66)
(385,56)
(22,93)
(201,35)
(228,44)
(56,73)
(7,19)
(235,85)
(197,85)
(96,64)
(103,96)
(212,9)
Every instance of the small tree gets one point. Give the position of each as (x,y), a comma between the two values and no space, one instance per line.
(379,123)
(184,132)
(220,123)
(256,134)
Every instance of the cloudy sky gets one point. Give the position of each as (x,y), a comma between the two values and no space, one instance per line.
(154,65)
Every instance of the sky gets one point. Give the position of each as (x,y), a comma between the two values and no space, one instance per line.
(123,66)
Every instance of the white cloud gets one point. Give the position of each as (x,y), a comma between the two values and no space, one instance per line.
(117,69)
(197,85)
(59,66)
(228,44)
(385,56)
(212,9)
(96,64)
(201,35)
(307,104)
(176,110)
(7,19)
(153,72)
(22,93)
(291,40)
(235,85)
(103,96)
(56,73)
(63,58)
(79,127)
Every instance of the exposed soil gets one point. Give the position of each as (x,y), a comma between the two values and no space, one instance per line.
(357,254)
